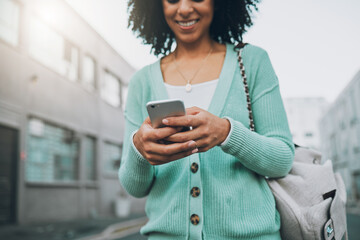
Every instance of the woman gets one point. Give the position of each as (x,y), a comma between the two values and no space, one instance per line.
(208,183)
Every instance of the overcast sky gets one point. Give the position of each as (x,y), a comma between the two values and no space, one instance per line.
(314,45)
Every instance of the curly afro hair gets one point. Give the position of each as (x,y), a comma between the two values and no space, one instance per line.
(230,22)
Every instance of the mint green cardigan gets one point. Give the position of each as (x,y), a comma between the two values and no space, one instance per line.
(235,201)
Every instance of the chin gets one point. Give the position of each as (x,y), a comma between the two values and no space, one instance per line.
(188,39)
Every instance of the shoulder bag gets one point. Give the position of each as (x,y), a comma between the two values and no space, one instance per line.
(311,198)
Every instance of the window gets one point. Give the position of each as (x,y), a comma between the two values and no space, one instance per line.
(112,157)
(71,61)
(354,121)
(88,73)
(341,113)
(52,153)
(333,148)
(9,21)
(124,92)
(355,139)
(308,134)
(90,158)
(356,149)
(356,177)
(52,50)
(110,90)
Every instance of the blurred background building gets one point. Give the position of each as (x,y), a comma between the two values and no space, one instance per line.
(62,91)
(333,129)
(340,137)
(62,94)
(304,115)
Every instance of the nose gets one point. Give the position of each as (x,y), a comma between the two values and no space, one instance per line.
(185,8)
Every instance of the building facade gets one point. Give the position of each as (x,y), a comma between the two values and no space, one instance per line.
(340,137)
(304,115)
(62,91)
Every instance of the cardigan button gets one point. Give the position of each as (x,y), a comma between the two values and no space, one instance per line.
(195,192)
(194,167)
(195,219)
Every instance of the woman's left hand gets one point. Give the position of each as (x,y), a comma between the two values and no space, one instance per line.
(207,131)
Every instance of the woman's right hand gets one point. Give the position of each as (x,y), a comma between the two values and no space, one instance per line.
(148,140)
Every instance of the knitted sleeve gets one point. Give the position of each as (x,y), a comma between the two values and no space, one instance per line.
(136,174)
(269,151)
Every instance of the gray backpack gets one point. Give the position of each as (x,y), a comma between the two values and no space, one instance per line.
(311,198)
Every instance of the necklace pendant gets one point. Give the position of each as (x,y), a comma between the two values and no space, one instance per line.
(188,87)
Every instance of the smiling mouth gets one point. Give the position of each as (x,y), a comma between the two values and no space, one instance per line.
(187,23)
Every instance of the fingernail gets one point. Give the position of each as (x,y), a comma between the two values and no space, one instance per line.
(195,150)
(192,143)
(165,121)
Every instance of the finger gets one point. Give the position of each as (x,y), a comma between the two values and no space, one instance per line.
(170,149)
(147,120)
(160,133)
(180,137)
(182,121)
(193,110)
(204,144)
(155,159)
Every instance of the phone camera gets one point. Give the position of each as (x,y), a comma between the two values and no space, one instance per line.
(152,106)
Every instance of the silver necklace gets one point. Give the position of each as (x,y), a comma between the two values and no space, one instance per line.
(188,86)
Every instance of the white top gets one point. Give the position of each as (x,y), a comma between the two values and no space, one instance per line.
(199,96)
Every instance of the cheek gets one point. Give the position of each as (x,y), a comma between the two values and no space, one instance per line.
(169,22)
(208,20)
(208,13)
(169,13)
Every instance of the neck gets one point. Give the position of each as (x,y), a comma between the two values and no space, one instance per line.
(194,50)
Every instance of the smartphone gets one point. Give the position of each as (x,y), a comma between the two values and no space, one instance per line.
(158,110)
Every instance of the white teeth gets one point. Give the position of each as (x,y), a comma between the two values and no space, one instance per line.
(187,24)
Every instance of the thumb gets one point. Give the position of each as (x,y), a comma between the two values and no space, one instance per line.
(147,120)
